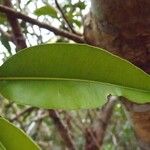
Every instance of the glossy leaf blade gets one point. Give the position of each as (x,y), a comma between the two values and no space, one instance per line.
(12,138)
(71,76)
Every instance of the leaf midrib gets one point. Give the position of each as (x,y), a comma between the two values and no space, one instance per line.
(71,79)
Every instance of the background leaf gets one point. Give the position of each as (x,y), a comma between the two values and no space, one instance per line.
(46,10)
(80,5)
(70,76)
(5,42)
(13,138)
(2,18)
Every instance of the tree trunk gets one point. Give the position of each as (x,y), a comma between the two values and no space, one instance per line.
(122,27)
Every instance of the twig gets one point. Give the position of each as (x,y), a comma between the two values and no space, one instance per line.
(63,130)
(99,130)
(56,31)
(18,36)
(64,17)
(28,110)
(92,140)
(41,117)
(105,115)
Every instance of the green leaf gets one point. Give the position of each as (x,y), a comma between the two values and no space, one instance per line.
(12,138)
(2,18)
(5,42)
(80,5)
(77,22)
(46,10)
(70,76)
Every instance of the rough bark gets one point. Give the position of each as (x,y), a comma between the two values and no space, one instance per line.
(122,27)
(140,120)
